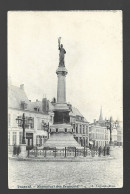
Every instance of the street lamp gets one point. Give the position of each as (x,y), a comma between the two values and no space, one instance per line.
(23,122)
(108,124)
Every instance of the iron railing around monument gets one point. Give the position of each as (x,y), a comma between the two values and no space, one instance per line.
(68,152)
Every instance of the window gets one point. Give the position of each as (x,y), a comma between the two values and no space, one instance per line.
(76,128)
(57,130)
(23,105)
(20,137)
(31,124)
(83,129)
(36,109)
(65,130)
(39,140)
(73,126)
(8,138)
(80,129)
(14,137)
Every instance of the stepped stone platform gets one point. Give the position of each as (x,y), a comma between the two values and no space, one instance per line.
(62,140)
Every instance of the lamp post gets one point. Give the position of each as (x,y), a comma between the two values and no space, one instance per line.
(109,126)
(22,121)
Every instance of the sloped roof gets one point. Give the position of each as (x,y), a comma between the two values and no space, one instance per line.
(15,96)
(75,112)
(39,105)
(33,105)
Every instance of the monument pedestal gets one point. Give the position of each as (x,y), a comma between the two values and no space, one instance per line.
(23,153)
(62,140)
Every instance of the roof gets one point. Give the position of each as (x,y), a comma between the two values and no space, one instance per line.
(75,112)
(33,105)
(15,96)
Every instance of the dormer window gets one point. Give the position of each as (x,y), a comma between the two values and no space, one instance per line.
(36,109)
(23,105)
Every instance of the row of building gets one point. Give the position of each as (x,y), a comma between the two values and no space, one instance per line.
(41,112)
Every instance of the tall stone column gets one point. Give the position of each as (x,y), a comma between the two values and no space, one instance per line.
(61,87)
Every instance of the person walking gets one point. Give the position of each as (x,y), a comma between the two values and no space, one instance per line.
(100,151)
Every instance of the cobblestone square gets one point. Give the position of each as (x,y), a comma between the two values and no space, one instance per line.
(59,175)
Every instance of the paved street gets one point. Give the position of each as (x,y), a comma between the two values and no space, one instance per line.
(42,175)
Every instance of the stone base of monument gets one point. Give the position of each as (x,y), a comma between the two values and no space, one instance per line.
(23,153)
(62,140)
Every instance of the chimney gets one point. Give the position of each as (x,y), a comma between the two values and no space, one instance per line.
(94,121)
(22,86)
(36,100)
(44,105)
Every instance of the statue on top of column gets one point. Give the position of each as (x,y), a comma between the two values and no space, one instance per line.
(62,53)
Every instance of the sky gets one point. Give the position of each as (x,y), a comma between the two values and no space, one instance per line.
(93,44)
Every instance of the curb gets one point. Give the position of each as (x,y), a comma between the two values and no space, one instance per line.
(61,160)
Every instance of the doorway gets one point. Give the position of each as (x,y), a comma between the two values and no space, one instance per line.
(29,139)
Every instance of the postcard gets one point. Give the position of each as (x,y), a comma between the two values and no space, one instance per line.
(65,104)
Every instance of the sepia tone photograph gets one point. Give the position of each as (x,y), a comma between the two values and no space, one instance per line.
(65,99)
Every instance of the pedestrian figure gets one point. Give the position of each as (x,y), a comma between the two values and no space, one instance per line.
(104,151)
(93,152)
(108,150)
(100,151)
(18,150)
(14,149)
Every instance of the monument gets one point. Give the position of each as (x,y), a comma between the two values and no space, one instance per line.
(61,132)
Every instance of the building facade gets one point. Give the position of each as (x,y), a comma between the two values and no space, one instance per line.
(119,135)
(80,127)
(36,133)
(41,112)
(99,135)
